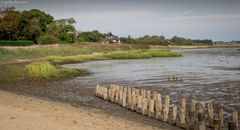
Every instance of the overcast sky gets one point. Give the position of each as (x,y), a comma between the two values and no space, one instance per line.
(197,19)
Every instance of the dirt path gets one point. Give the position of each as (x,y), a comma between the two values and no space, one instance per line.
(26,113)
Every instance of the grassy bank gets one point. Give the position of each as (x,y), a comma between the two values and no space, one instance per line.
(47,70)
(74,53)
(135,54)
(41,51)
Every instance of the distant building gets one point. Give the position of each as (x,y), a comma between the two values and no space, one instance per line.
(114,39)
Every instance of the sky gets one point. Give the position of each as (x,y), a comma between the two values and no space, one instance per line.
(196,19)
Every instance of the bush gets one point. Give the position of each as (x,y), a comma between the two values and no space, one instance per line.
(48,39)
(16,42)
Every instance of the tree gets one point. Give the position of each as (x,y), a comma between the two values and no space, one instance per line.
(36,20)
(93,36)
(9,24)
(34,29)
(63,29)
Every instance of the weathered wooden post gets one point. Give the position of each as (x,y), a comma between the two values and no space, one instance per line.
(144,106)
(97,90)
(100,91)
(158,106)
(112,98)
(182,114)
(120,95)
(151,108)
(143,93)
(110,94)
(174,114)
(105,95)
(166,109)
(210,115)
(221,117)
(155,95)
(216,124)
(125,97)
(137,92)
(139,104)
(133,102)
(148,96)
(116,94)
(129,98)
(233,123)
(192,114)
(201,117)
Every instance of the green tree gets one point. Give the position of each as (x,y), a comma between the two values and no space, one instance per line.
(63,29)
(9,24)
(93,36)
(34,22)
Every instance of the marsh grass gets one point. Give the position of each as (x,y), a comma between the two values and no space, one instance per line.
(41,51)
(47,70)
(135,54)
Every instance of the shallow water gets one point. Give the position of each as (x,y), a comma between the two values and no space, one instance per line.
(207,74)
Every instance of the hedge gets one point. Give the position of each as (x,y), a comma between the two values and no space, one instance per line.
(16,42)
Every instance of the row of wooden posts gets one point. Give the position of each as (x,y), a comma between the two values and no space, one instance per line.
(151,104)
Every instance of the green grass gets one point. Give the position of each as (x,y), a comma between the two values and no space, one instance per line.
(59,50)
(135,54)
(47,70)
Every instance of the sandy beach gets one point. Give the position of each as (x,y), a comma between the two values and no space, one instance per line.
(27,113)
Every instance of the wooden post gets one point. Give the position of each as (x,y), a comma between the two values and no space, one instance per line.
(158,106)
(192,114)
(116,94)
(120,95)
(105,96)
(129,98)
(133,102)
(234,123)
(97,90)
(137,92)
(112,93)
(182,114)
(143,93)
(155,95)
(210,115)
(174,114)
(166,109)
(216,124)
(125,97)
(139,104)
(144,106)
(221,117)
(100,91)
(151,108)
(201,117)
(148,96)
(109,93)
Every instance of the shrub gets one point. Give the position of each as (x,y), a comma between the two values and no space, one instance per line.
(48,39)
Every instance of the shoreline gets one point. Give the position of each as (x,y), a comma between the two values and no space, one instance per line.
(23,113)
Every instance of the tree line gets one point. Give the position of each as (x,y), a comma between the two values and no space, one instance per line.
(42,28)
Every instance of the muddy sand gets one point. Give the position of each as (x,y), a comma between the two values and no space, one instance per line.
(27,113)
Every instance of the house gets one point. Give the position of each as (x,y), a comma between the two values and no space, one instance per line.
(114,39)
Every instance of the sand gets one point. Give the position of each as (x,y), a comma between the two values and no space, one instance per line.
(28,113)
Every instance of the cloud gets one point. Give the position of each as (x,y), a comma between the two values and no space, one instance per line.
(207,17)
(108,15)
